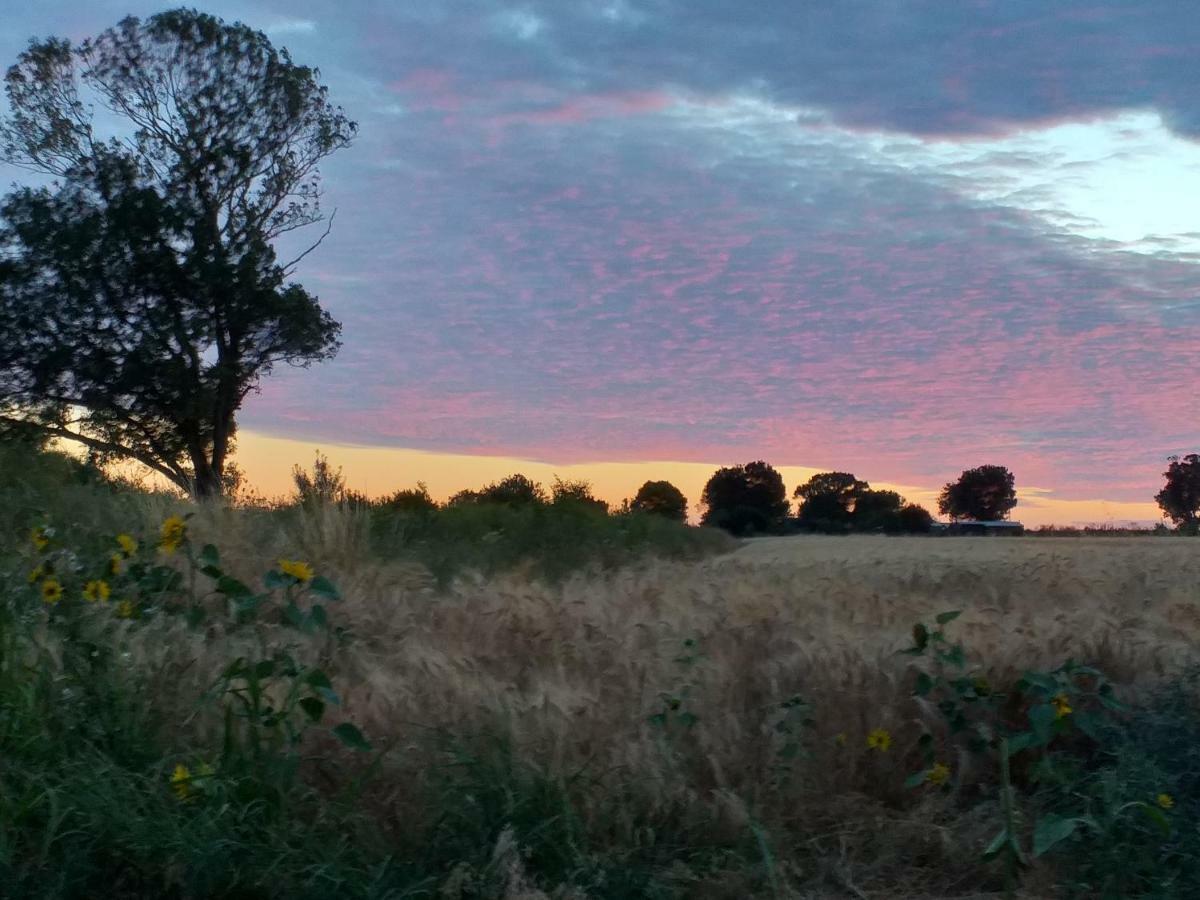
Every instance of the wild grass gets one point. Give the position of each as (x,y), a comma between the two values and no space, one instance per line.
(645,727)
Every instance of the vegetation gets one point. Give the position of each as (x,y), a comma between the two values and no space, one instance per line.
(985,494)
(1180,497)
(266,703)
(660,498)
(745,500)
(141,298)
(837,502)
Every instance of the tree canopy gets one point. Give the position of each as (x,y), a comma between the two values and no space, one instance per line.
(745,499)
(515,490)
(141,298)
(1180,497)
(986,493)
(660,498)
(828,499)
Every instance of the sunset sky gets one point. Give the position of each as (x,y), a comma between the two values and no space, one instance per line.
(642,238)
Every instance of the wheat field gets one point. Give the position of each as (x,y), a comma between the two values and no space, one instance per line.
(656,696)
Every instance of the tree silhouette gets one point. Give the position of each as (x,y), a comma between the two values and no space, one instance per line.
(745,499)
(1180,497)
(913,519)
(986,493)
(660,498)
(579,493)
(828,500)
(141,299)
(410,500)
(515,490)
(878,511)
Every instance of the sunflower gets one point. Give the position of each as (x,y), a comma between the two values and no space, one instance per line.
(301,571)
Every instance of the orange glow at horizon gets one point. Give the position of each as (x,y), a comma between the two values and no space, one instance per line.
(376,471)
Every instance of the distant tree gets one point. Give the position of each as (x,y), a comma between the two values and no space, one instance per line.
(876,510)
(1180,498)
(828,500)
(323,485)
(986,493)
(576,492)
(660,498)
(745,499)
(465,497)
(141,298)
(410,500)
(913,519)
(515,490)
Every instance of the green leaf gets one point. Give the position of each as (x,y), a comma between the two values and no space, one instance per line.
(998,843)
(274,580)
(1088,723)
(916,779)
(1042,682)
(292,616)
(231,587)
(264,668)
(210,556)
(349,735)
(318,679)
(318,616)
(1041,719)
(947,617)
(923,686)
(313,707)
(323,587)
(954,656)
(1156,815)
(1022,741)
(1050,830)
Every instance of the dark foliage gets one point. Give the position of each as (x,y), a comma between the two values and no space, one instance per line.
(986,493)
(1180,498)
(576,492)
(141,299)
(744,500)
(828,500)
(515,490)
(660,498)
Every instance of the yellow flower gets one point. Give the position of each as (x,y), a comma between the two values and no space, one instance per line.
(181,782)
(879,739)
(1165,801)
(301,571)
(172,534)
(52,590)
(116,564)
(1062,706)
(96,590)
(124,610)
(939,774)
(40,537)
(37,574)
(128,545)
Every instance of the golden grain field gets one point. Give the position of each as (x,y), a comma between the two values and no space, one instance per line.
(572,676)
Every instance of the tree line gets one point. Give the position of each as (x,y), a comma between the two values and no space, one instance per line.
(142,299)
(743,500)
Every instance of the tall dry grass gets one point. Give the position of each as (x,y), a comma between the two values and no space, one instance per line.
(512,684)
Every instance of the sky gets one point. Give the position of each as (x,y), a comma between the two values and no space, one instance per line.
(631,239)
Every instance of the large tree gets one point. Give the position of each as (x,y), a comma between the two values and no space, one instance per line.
(986,493)
(141,298)
(660,498)
(745,499)
(828,499)
(1180,497)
